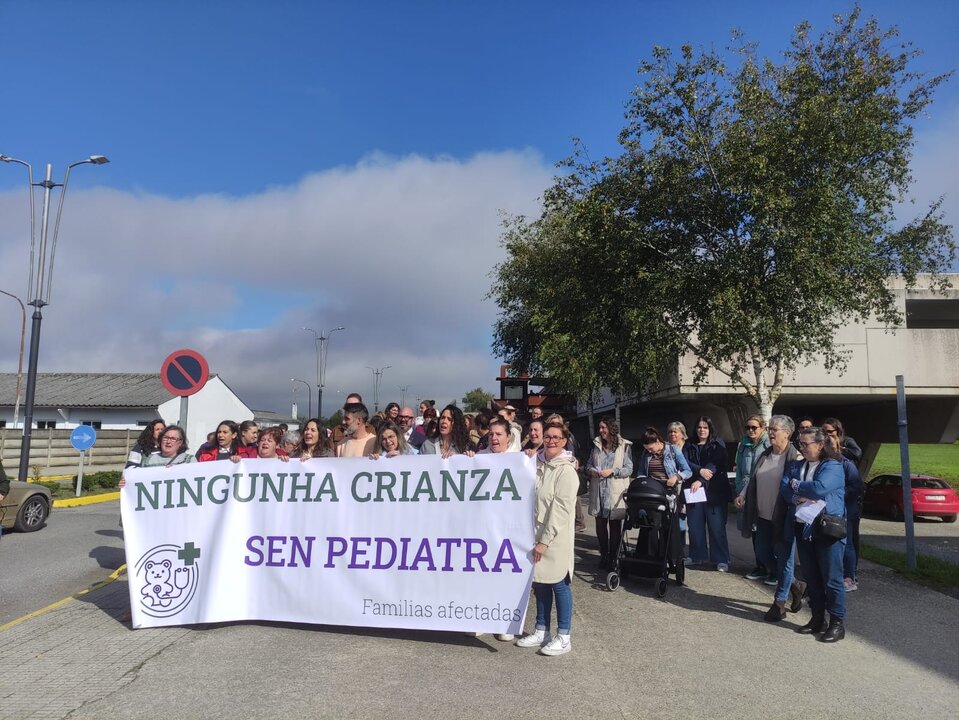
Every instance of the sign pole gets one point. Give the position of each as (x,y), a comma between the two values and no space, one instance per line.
(906,472)
(80,473)
(184,411)
(183,373)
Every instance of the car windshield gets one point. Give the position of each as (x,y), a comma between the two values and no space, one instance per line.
(933,483)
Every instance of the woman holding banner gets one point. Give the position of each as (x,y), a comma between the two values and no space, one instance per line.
(173,451)
(314,442)
(391,442)
(557,483)
(451,438)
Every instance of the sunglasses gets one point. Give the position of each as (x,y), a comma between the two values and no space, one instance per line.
(753,427)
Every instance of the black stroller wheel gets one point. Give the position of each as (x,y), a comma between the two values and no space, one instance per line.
(612,581)
(661,587)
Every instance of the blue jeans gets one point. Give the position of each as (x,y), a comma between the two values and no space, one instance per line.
(821,561)
(775,553)
(705,520)
(564,605)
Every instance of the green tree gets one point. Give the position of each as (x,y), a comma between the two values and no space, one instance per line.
(335,419)
(749,216)
(476,399)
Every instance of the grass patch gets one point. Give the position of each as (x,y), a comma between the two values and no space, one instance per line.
(938,460)
(61,489)
(930,571)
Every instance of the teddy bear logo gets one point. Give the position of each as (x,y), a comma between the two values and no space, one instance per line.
(158,591)
(169,576)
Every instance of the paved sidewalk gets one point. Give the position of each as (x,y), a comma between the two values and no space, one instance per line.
(703,651)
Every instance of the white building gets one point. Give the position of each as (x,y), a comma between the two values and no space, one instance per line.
(118,401)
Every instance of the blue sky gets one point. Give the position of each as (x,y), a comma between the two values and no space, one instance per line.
(282,164)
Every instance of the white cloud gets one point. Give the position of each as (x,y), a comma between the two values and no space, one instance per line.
(398,250)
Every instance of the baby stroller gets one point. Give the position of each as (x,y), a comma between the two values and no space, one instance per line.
(657,549)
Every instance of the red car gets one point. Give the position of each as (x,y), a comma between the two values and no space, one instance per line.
(930,496)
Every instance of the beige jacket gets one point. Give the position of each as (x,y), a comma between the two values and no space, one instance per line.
(556,486)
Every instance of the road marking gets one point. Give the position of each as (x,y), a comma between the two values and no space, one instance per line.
(76,502)
(60,603)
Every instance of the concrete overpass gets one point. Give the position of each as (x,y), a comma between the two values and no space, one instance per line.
(924,349)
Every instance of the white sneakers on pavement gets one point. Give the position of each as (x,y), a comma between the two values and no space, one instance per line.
(539,638)
(548,645)
(505,637)
(559,645)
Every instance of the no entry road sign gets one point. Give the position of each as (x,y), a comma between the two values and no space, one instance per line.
(184,372)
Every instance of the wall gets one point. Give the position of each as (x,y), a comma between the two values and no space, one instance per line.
(52,451)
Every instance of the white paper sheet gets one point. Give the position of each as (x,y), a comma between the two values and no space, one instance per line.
(695,496)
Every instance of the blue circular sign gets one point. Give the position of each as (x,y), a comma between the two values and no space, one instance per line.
(83,437)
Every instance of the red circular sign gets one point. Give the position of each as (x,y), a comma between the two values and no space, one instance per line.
(184,372)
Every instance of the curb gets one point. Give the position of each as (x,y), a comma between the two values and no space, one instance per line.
(115,575)
(76,502)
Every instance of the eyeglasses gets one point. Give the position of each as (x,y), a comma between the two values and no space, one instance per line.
(404,417)
(170,438)
(832,432)
(808,444)
(753,427)
(553,438)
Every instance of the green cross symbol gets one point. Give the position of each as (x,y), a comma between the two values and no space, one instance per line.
(188,554)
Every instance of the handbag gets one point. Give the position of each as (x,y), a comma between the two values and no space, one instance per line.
(831,527)
(617,492)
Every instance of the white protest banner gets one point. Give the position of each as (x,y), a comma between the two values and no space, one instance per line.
(405,542)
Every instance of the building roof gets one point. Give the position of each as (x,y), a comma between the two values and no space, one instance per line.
(71,390)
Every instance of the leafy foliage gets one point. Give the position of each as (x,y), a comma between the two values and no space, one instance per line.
(476,399)
(749,216)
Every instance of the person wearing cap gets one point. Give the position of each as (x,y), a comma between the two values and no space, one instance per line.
(508,413)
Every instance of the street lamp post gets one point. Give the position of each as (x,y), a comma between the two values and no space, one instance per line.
(309,396)
(377,378)
(403,390)
(40,282)
(321,343)
(23,335)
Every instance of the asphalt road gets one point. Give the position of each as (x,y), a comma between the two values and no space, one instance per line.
(77,548)
(701,652)
(933,536)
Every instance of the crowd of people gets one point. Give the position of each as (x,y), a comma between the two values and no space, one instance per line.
(791,481)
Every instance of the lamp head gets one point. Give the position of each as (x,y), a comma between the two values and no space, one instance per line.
(98,159)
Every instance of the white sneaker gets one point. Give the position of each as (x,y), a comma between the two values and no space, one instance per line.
(722,567)
(559,645)
(534,639)
(505,637)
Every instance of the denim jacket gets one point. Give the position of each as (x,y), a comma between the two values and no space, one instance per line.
(828,483)
(673,462)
